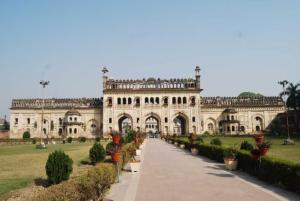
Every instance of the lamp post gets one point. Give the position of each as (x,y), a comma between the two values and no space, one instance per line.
(284,83)
(44,83)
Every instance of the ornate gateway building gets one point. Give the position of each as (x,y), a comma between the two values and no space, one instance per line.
(172,106)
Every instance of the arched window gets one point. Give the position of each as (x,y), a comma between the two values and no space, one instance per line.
(119,101)
(146,100)
(152,100)
(174,100)
(60,131)
(157,100)
(70,130)
(129,101)
(193,101)
(75,119)
(124,101)
(179,100)
(228,118)
(233,128)
(60,121)
(71,119)
(75,130)
(166,101)
(184,100)
(232,117)
(137,101)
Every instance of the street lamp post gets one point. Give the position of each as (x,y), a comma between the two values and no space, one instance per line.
(284,83)
(44,83)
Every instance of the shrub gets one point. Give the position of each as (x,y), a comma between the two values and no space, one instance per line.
(97,139)
(58,167)
(97,153)
(82,139)
(130,136)
(33,141)
(247,146)
(69,139)
(26,135)
(109,147)
(216,141)
(199,139)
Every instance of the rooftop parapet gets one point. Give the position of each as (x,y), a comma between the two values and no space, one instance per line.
(242,101)
(151,83)
(55,103)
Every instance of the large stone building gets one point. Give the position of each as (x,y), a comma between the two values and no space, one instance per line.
(173,106)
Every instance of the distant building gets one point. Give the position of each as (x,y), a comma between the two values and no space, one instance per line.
(173,106)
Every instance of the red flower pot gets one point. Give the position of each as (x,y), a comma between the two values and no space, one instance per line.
(259,138)
(116,139)
(264,151)
(115,156)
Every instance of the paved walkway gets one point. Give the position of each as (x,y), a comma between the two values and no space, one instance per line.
(171,174)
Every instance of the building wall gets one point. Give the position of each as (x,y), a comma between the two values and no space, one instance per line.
(88,117)
(139,114)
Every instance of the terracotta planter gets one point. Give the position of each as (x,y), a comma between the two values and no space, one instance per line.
(116,139)
(195,151)
(135,166)
(115,156)
(230,164)
(138,152)
(259,138)
(264,151)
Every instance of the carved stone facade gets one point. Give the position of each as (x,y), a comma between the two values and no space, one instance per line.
(172,106)
(61,118)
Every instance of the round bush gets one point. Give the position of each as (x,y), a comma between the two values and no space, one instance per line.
(216,141)
(26,135)
(58,167)
(69,139)
(109,147)
(33,141)
(247,146)
(97,153)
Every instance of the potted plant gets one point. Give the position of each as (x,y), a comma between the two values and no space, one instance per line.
(256,154)
(259,138)
(116,137)
(134,164)
(264,148)
(230,158)
(192,138)
(115,153)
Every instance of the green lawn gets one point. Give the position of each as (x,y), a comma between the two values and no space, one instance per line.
(21,164)
(285,152)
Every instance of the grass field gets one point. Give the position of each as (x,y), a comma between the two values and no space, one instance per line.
(20,165)
(285,152)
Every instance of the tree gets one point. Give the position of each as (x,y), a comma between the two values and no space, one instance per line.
(250,95)
(97,153)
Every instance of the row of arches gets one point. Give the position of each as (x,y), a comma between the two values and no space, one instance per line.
(153,124)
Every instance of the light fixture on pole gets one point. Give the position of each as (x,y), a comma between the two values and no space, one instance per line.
(44,83)
(283,84)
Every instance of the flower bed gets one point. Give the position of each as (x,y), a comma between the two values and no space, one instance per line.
(279,172)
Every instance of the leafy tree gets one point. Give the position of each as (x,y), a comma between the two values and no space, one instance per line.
(58,167)
(250,95)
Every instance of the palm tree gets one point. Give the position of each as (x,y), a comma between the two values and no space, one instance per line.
(293,100)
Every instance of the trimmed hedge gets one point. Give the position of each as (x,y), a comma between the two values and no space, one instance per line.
(282,173)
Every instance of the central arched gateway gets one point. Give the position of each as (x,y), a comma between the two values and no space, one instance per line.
(125,123)
(152,123)
(180,124)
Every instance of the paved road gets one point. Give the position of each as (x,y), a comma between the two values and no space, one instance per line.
(171,174)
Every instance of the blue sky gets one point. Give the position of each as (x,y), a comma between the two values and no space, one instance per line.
(240,45)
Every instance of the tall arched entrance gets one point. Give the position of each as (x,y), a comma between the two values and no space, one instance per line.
(152,123)
(180,125)
(125,123)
